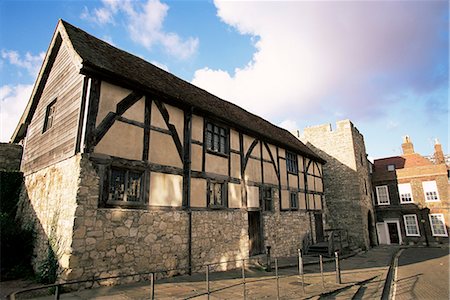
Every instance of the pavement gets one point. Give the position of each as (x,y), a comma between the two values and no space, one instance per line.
(363,276)
(422,273)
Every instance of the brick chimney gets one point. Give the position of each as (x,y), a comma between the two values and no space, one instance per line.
(407,145)
(438,153)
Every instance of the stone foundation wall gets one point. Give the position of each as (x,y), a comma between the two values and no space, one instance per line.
(10,157)
(219,236)
(48,202)
(284,231)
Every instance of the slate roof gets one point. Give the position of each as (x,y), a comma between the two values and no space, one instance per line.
(105,58)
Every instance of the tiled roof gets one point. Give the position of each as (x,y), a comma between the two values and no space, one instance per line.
(102,57)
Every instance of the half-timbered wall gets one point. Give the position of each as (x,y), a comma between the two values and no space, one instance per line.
(64,84)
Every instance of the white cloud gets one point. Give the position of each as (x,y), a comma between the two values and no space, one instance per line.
(339,58)
(144,24)
(160,65)
(13,100)
(32,63)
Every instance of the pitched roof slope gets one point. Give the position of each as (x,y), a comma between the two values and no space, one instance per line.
(101,56)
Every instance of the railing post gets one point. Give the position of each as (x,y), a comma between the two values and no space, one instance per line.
(278,280)
(300,269)
(243,278)
(269,261)
(152,286)
(57,291)
(321,270)
(338,269)
(207,280)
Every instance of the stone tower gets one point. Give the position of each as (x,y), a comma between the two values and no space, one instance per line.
(347,195)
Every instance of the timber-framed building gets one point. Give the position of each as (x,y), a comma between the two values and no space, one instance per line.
(129,168)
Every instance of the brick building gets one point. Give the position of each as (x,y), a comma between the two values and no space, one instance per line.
(347,197)
(412,197)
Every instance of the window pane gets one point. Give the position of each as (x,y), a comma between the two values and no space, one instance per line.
(117,185)
(208,140)
(438,225)
(218,193)
(134,187)
(222,144)
(411,225)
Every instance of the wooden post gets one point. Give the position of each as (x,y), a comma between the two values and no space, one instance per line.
(338,270)
(152,286)
(269,261)
(300,269)
(278,280)
(321,270)
(57,292)
(207,280)
(243,278)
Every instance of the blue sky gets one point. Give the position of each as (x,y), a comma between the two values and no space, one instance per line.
(382,64)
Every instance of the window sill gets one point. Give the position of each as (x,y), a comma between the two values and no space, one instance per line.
(225,155)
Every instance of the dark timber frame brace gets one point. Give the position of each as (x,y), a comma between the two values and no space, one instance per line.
(165,114)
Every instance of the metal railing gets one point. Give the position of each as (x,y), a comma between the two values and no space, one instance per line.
(244,280)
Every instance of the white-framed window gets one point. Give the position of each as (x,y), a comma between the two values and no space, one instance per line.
(391,168)
(437,223)
(382,195)
(430,191)
(405,193)
(411,225)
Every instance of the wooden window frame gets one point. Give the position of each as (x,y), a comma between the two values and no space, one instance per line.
(267,203)
(377,188)
(50,112)
(126,172)
(291,162)
(416,225)
(213,132)
(293,196)
(223,191)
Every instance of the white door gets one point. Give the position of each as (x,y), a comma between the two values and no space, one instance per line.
(383,238)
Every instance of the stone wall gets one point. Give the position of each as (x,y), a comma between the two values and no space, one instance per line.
(48,202)
(284,231)
(347,193)
(10,157)
(219,236)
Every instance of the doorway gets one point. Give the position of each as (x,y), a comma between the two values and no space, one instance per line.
(319,227)
(389,232)
(394,236)
(255,233)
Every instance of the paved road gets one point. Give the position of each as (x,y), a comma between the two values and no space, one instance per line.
(422,273)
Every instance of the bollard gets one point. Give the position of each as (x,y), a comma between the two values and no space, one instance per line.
(300,269)
(207,280)
(338,269)
(152,286)
(243,278)
(278,279)
(321,270)
(57,291)
(269,261)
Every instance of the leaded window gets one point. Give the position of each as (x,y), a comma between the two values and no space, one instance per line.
(267,199)
(216,195)
(125,186)
(291,162)
(216,138)
(49,116)
(293,200)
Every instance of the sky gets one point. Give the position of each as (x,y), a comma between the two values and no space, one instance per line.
(382,64)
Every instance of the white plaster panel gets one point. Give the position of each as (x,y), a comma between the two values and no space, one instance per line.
(157,119)
(176,117)
(166,189)
(197,128)
(234,140)
(270,175)
(110,95)
(252,196)
(196,157)
(122,140)
(293,181)
(198,192)
(235,165)
(302,200)
(253,170)
(216,164)
(163,150)
(234,195)
(284,199)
